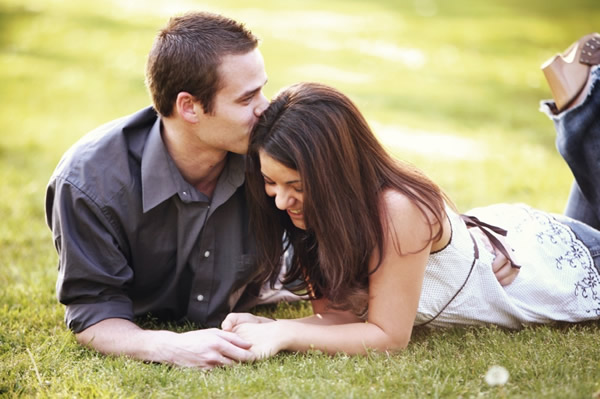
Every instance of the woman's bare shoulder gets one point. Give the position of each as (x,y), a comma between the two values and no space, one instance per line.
(398,204)
(410,223)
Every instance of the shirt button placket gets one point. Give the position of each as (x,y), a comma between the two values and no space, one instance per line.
(204,275)
(200,297)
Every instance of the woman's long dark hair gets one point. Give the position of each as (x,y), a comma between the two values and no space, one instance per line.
(319,132)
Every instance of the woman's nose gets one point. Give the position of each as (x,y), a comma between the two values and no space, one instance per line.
(283,201)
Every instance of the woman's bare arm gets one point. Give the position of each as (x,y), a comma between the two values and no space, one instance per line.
(394,289)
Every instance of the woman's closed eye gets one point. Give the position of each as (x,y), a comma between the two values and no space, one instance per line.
(270,182)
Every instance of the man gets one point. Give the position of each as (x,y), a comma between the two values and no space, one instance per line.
(148,212)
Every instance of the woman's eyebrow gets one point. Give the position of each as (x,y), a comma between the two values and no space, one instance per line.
(287,182)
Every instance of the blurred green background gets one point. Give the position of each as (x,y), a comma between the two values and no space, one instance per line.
(452,86)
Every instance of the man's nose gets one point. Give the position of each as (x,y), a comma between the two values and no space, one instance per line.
(262,106)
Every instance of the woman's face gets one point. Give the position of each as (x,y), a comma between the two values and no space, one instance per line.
(285,185)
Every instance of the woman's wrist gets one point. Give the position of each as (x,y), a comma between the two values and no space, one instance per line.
(287,331)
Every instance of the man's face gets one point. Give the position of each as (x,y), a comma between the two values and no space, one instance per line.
(238,104)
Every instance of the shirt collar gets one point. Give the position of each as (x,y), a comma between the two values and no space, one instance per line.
(230,180)
(157,180)
(161,179)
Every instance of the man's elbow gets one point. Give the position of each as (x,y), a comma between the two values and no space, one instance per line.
(102,335)
(85,337)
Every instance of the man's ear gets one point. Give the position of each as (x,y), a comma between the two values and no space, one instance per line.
(188,107)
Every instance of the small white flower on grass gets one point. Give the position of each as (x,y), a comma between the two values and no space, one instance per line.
(496,375)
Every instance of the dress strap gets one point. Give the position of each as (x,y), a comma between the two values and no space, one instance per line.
(475,257)
(488,230)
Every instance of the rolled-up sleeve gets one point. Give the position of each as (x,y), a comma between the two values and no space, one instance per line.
(93,269)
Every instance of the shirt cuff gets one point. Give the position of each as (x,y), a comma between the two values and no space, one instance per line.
(79,316)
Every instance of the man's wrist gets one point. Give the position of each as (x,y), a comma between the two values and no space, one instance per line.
(155,344)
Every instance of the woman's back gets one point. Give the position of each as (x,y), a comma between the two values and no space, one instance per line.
(557,281)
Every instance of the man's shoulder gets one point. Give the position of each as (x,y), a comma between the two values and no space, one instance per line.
(104,155)
(113,133)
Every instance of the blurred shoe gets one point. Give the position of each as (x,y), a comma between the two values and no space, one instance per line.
(568,73)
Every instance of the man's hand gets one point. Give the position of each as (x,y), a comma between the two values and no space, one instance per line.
(202,349)
(501,266)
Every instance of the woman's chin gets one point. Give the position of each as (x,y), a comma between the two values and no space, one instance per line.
(299,224)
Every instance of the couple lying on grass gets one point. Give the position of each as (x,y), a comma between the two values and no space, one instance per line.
(149,216)
(379,248)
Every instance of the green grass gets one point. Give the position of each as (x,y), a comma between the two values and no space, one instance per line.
(429,75)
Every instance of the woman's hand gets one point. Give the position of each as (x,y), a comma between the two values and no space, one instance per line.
(501,266)
(234,319)
(267,339)
(259,332)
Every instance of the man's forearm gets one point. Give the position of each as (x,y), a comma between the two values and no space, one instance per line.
(123,337)
(199,348)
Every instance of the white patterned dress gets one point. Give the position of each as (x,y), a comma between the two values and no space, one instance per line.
(557,282)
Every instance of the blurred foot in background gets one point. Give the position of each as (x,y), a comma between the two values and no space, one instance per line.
(568,73)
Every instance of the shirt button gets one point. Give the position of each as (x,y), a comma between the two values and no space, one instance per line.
(184,193)
(206,254)
(200,298)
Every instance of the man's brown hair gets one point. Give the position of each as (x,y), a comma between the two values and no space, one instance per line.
(186,55)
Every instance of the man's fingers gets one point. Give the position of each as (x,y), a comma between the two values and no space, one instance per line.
(225,361)
(234,339)
(234,353)
(229,349)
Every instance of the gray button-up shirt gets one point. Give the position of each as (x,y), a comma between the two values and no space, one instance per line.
(133,237)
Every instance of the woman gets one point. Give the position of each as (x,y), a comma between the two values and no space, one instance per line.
(379,248)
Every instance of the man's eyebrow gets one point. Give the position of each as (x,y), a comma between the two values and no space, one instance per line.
(251,93)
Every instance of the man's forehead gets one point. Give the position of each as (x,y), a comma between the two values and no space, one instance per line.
(242,73)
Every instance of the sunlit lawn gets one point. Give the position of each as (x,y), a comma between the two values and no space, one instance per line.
(452,86)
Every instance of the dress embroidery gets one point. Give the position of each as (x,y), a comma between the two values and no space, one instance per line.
(558,281)
(576,256)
